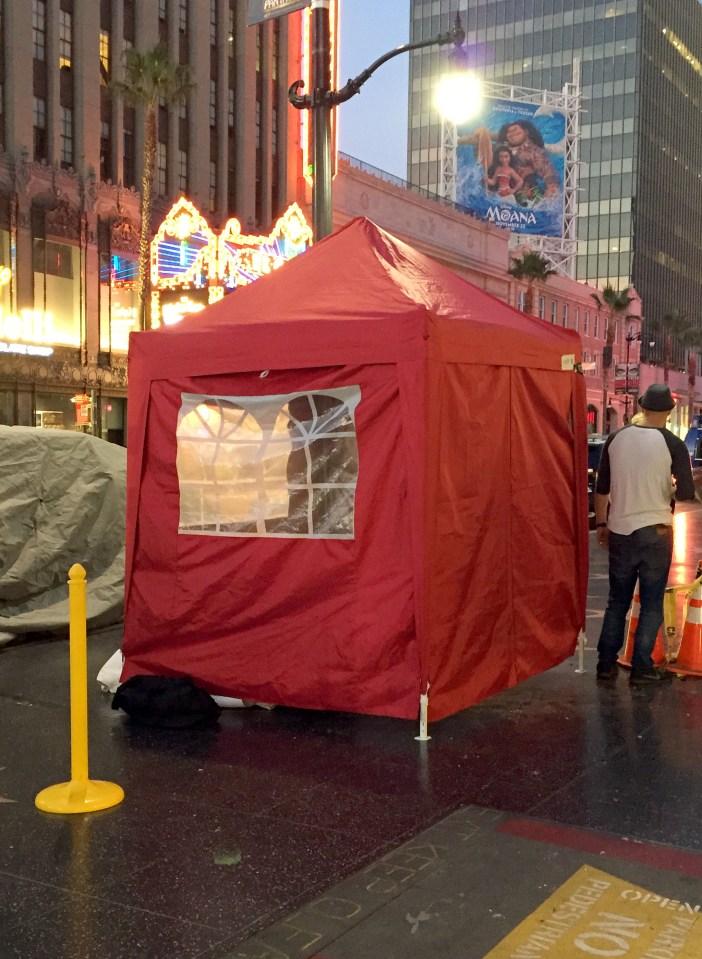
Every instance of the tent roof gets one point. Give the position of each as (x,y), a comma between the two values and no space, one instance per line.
(363,274)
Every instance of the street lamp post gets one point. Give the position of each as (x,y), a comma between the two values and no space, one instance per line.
(630,338)
(322,100)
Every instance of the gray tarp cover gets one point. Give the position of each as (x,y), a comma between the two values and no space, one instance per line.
(62,501)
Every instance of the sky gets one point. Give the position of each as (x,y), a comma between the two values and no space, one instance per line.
(373,124)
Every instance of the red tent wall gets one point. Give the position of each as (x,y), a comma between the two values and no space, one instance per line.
(469,560)
(503,538)
(313,623)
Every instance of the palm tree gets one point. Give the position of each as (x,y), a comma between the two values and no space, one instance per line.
(692,339)
(614,303)
(531,267)
(150,77)
(674,325)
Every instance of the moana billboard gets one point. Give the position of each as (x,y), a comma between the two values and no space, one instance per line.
(509,166)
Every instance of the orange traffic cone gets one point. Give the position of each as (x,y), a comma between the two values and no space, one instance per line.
(689,660)
(658,654)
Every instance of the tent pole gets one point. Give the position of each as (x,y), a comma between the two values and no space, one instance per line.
(582,642)
(423,713)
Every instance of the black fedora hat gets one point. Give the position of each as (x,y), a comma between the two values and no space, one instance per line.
(657,399)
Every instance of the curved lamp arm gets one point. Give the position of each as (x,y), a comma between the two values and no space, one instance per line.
(299,102)
(353,86)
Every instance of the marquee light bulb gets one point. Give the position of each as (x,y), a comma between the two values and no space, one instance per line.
(459,96)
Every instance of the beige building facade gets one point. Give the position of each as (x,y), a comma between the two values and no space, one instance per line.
(71,165)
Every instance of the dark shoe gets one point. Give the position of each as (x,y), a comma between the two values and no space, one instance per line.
(606,671)
(650,677)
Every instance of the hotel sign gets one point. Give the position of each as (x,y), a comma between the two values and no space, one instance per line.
(261,10)
(27,333)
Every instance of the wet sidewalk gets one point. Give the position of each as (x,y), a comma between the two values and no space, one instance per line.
(298,834)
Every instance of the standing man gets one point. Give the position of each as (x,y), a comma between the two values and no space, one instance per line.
(634,481)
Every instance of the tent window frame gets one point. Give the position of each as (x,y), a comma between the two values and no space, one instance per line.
(268,465)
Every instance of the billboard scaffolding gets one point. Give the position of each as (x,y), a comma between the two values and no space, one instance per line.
(537,201)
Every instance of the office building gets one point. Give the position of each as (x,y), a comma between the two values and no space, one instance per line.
(641,171)
(70,169)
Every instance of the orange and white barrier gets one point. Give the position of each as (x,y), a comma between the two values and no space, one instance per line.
(658,654)
(689,658)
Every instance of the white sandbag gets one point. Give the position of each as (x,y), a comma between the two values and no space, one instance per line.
(109,675)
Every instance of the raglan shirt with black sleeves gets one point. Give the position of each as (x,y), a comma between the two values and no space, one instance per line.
(636,466)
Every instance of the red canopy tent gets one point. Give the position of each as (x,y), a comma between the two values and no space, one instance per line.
(431,533)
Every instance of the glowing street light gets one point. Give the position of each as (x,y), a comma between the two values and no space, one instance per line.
(459,96)
(322,100)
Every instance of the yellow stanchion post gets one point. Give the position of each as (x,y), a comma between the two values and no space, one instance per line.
(670,622)
(80,794)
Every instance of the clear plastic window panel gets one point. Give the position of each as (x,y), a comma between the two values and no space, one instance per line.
(283,466)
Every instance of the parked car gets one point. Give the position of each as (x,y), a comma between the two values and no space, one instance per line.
(594,452)
(693,441)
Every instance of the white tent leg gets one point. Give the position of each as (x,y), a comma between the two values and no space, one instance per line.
(582,642)
(423,712)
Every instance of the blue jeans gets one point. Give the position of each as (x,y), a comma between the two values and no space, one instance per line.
(645,555)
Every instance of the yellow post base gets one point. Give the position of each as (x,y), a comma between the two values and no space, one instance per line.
(87,796)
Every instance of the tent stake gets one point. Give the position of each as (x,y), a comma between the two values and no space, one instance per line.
(423,711)
(582,641)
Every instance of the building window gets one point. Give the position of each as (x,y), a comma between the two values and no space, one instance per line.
(586,323)
(129,159)
(596,326)
(542,307)
(258,125)
(521,300)
(276,50)
(230,108)
(65,39)
(162,9)
(230,35)
(182,171)
(119,313)
(554,311)
(66,137)
(39,106)
(105,51)
(161,169)
(213,103)
(284,466)
(213,23)
(565,315)
(274,131)
(576,319)
(183,15)
(57,288)
(39,29)
(105,151)
(213,185)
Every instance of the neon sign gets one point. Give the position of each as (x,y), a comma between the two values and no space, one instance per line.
(184,250)
(26,332)
(187,255)
(174,311)
(243,259)
(25,349)
(306,63)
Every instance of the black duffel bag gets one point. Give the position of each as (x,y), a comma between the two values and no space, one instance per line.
(174,702)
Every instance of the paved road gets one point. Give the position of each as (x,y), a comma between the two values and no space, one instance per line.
(300,834)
